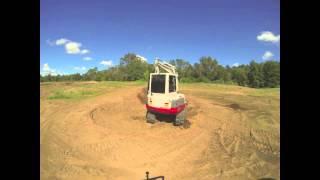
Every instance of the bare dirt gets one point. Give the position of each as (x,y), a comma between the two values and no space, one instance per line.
(107,137)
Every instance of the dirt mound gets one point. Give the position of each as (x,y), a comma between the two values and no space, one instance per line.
(142,95)
(108,138)
(192,110)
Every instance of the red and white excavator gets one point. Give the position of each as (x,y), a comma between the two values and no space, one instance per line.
(163,94)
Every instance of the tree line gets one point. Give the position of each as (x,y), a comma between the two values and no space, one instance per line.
(132,68)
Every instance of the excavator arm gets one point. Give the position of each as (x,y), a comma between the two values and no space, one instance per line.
(165,66)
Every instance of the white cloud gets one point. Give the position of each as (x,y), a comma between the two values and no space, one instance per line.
(87,58)
(62,41)
(46,67)
(47,70)
(73,47)
(141,57)
(235,65)
(267,55)
(106,63)
(80,68)
(85,51)
(268,36)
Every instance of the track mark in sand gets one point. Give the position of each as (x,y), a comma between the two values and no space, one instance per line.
(90,150)
(74,170)
(192,111)
(232,147)
(95,115)
(141,118)
(94,152)
(265,116)
(83,153)
(265,142)
(92,113)
(95,171)
(229,159)
(186,124)
(69,170)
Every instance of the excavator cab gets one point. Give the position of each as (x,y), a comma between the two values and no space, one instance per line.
(163,94)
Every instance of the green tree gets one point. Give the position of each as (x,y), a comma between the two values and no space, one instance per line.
(239,75)
(133,67)
(58,77)
(49,77)
(208,68)
(255,76)
(271,74)
(182,67)
(197,73)
(91,74)
(150,69)
(227,75)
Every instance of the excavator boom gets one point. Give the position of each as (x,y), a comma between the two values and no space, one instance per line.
(165,66)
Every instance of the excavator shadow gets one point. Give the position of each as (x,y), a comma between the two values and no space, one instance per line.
(165,118)
(170,119)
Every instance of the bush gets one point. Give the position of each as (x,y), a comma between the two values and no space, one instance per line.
(187,80)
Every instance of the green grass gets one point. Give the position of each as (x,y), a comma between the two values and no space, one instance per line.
(266,92)
(78,94)
(261,106)
(81,90)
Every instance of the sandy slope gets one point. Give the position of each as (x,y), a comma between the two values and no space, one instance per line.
(106,137)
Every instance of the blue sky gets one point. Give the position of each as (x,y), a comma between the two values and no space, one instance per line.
(76,35)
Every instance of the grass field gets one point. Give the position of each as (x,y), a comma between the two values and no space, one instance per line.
(81,90)
(97,130)
(260,105)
